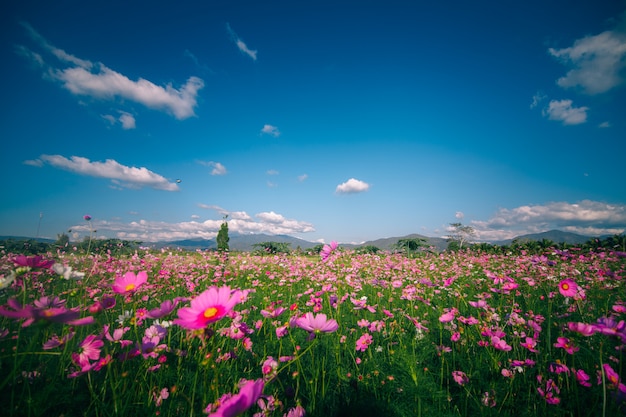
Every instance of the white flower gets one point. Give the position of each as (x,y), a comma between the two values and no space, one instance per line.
(123,317)
(67,272)
(6,280)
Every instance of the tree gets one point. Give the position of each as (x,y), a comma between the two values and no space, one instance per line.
(62,240)
(410,245)
(222,236)
(460,234)
(271,247)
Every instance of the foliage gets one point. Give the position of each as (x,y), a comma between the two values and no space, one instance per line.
(459,235)
(464,333)
(271,248)
(222,236)
(411,246)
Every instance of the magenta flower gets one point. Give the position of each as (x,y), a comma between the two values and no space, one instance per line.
(87,217)
(565,343)
(364,341)
(129,282)
(210,306)
(568,288)
(32,261)
(460,377)
(238,403)
(327,250)
(583,378)
(317,324)
(163,310)
(582,328)
(89,349)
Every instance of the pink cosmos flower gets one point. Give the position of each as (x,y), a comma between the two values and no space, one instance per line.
(317,324)
(32,261)
(582,328)
(583,378)
(237,404)
(460,377)
(568,288)
(129,282)
(565,343)
(530,344)
(88,349)
(364,341)
(500,344)
(448,316)
(210,306)
(327,250)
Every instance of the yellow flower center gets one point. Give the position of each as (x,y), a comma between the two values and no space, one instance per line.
(130,287)
(210,312)
(565,287)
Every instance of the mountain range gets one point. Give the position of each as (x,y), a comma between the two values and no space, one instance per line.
(247,242)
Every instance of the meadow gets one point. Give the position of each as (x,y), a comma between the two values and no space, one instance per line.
(331,334)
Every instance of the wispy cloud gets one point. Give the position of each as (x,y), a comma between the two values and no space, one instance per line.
(352,186)
(302,177)
(564,111)
(217,168)
(270,130)
(537,98)
(586,217)
(240,43)
(238,222)
(596,62)
(123,176)
(272,172)
(85,78)
(126,120)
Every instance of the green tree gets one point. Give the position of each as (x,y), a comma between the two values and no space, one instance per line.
(222,236)
(460,234)
(410,245)
(62,240)
(271,248)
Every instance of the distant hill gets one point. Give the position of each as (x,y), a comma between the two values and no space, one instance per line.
(237,242)
(556,236)
(246,242)
(388,243)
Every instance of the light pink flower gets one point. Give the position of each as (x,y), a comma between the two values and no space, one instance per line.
(460,377)
(129,282)
(317,324)
(210,306)
(327,250)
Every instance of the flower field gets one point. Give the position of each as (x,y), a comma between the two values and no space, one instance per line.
(341,334)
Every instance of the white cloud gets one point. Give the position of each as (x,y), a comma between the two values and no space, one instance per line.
(124,176)
(240,44)
(596,60)
(127,120)
(217,167)
(302,177)
(563,111)
(272,172)
(271,130)
(352,186)
(537,98)
(459,215)
(585,217)
(85,78)
(604,125)
(238,222)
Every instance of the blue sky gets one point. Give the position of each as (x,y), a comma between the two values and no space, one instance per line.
(325,120)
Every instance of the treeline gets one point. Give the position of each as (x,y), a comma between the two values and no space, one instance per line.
(410,247)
